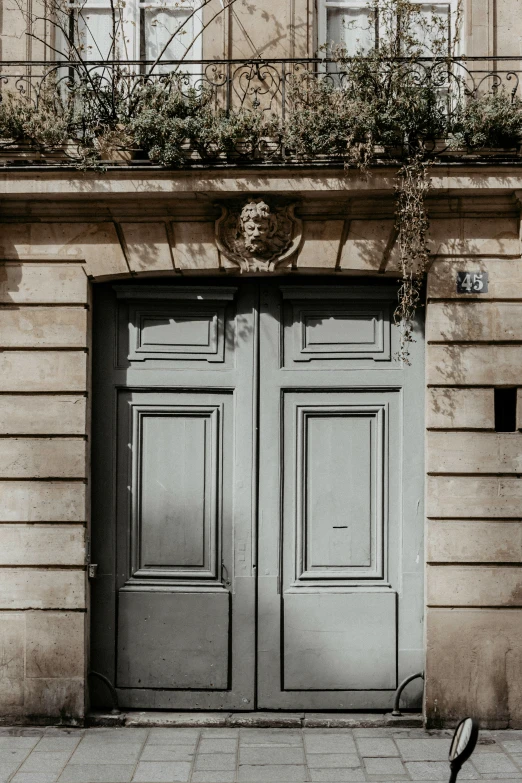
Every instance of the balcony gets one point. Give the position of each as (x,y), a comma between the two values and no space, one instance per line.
(97,105)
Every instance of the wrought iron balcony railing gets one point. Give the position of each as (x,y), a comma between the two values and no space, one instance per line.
(267,85)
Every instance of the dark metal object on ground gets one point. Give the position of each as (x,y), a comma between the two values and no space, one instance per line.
(396,702)
(112,690)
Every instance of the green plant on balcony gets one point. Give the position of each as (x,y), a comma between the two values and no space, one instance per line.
(43,124)
(248,133)
(489,120)
(326,119)
(171,121)
(165,120)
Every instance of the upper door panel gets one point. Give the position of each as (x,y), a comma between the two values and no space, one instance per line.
(334,326)
(180,327)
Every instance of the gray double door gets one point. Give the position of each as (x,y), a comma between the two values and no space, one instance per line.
(257,496)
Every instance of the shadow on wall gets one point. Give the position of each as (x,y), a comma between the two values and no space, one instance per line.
(288,36)
(10,279)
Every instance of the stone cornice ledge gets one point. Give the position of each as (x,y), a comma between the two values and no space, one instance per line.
(454,179)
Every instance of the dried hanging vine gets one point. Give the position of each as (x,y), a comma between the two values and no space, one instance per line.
(412,237)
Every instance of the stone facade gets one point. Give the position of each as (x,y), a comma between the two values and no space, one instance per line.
(474,488)
(473,658)
(62,231)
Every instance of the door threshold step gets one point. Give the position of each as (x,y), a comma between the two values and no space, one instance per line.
(279,720)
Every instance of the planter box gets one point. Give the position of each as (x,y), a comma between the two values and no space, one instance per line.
(25,151)
(117,154)
(10,150)
(270,147)
(498,152)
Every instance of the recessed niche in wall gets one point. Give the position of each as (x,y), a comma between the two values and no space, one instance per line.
(506,410)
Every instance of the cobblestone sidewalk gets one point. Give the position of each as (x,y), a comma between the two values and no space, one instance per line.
(215,755)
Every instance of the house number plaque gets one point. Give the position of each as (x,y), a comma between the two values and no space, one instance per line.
(472,282)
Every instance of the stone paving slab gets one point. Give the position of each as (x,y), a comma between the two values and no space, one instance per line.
(235,754)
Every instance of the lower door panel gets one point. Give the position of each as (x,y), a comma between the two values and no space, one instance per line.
(159,648)
(339,641)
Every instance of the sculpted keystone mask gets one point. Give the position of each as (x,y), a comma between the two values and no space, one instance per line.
(258,225)
(258,235)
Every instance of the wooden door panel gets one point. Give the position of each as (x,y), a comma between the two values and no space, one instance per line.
(178,460)
(171,329)
(190,333)
(175,475)
(338,474)
(158,648)
(337,525)
(340,510)
(339,641)
(175,506)
(333,326)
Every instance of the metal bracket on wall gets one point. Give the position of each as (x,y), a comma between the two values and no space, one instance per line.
(396,701)
(112,690)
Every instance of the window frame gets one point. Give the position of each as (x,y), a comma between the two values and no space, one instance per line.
(324,5)
(196,49)
(133,30)
(322,18)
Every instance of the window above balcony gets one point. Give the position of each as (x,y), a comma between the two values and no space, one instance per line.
(138,30)
(355,26)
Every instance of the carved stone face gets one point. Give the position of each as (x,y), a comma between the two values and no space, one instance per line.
(258,225)
(257,235)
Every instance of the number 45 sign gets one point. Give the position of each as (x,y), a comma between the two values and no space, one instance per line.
(472,282)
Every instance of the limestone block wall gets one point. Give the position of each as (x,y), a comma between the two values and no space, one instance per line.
(474,494)
(109,249)
(43,386)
